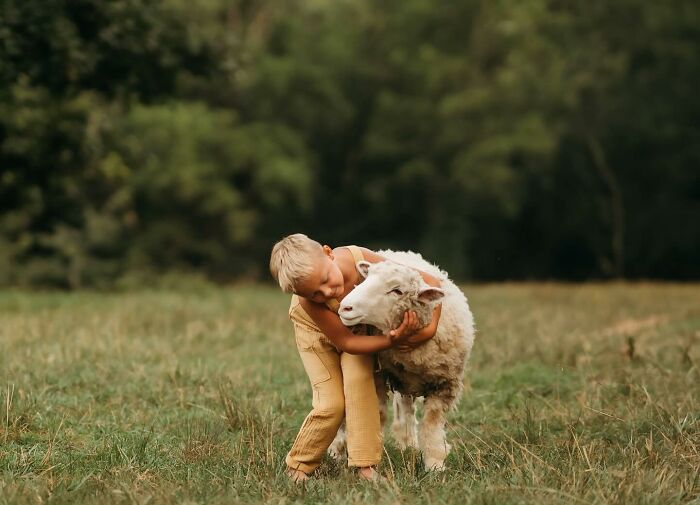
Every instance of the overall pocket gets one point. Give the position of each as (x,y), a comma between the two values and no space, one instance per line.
(311,352)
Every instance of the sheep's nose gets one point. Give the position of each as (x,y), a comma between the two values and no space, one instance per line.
(346,308)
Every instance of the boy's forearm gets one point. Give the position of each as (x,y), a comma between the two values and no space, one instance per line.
(365,344)
(424,334)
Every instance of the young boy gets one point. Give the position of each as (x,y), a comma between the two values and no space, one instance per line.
(340,365)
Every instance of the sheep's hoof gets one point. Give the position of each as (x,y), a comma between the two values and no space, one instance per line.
(337,450)
(434,465)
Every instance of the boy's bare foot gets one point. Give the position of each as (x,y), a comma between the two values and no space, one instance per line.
(297,475)
(368,473)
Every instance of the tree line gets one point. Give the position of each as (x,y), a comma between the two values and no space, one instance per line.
(518,139)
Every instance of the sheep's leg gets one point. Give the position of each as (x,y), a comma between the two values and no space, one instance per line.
(404,426)
(338,448)
(432,433)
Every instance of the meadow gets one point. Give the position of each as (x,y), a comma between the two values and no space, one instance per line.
(583,393)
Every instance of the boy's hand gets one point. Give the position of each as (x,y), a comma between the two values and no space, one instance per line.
(409,326)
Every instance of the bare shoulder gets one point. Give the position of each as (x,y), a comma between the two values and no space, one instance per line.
(342,252)
(344,258)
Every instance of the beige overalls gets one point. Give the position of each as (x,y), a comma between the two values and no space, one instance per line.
(342,384)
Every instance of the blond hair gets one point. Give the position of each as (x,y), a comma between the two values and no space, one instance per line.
(292,260)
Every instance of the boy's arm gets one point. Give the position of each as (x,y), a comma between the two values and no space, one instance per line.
(331,326)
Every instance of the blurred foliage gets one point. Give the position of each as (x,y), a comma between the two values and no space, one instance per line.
(509,139)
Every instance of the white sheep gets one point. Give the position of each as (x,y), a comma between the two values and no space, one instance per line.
(433,370)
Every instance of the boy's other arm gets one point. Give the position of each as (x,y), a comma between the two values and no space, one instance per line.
(373,257)
(410,341)
(331,326)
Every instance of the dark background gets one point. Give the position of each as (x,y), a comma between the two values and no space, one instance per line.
(514,139)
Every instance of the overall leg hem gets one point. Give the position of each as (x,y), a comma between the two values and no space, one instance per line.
(304,467)
(357,463)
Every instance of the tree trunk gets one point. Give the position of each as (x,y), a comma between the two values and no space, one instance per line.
(617,211)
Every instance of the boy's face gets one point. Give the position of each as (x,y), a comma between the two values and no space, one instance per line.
(325,282)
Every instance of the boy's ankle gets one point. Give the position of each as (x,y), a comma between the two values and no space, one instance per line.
(368,473)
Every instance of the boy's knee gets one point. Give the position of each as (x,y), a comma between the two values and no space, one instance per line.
(333,408)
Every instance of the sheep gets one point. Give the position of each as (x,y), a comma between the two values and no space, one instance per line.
(435,369)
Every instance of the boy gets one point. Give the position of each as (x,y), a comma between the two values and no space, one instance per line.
(339,364)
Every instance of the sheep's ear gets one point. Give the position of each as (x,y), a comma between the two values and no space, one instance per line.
(430,294)
(363,267)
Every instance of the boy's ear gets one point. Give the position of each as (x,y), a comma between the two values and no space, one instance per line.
(430,294)
(363,267)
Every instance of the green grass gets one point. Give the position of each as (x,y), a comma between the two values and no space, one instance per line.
(578,394)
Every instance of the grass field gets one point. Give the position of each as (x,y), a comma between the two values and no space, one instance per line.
(578,394)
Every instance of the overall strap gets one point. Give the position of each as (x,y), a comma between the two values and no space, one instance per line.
(356,253)
(333,305)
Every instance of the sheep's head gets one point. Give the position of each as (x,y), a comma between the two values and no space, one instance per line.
(389,290)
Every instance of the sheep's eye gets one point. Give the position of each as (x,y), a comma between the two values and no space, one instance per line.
(396,291)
